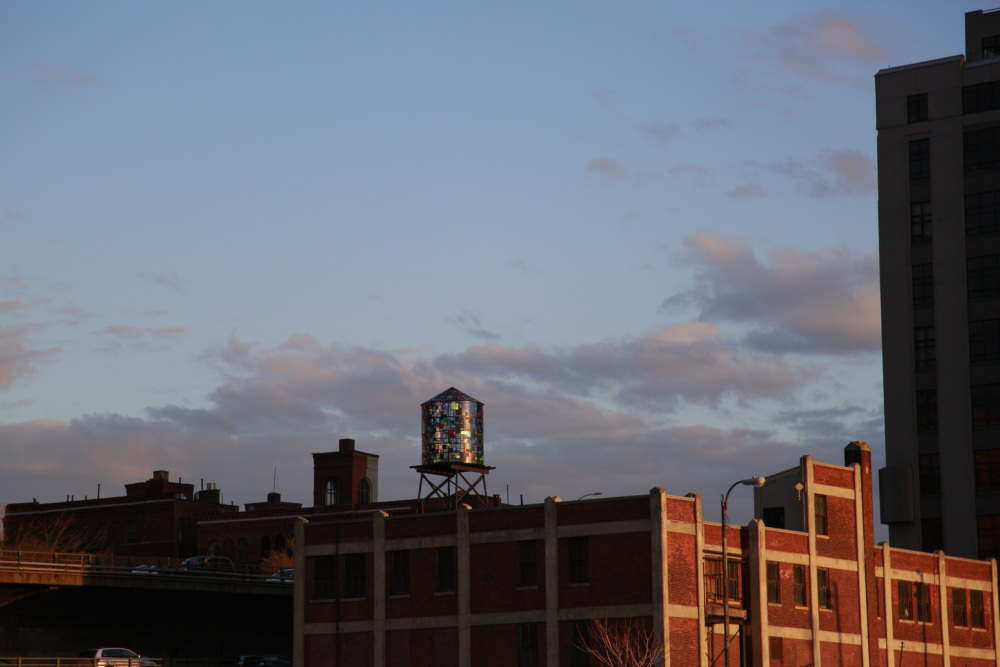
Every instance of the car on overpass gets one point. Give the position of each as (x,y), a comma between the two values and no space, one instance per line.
(113,657)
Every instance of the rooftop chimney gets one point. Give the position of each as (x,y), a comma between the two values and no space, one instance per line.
(347,444)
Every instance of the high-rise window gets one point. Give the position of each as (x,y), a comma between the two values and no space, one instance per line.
(931,534)
(923,347)
(527,563)
(527,645)
(819,502)
(922,599)
(773,583)
(444,571)
(983,274)
(984,341)
(958,616)
(926,403)
(987,462)
(982,150)
(976,617)
(823,588)
(981,97)
(988,530)
(982,213)
(920,159)
(324,579)
(920,222)
(578,654)
(916,108)
(364,491)
(579,558)
(354,575)
(799,585)
(331,492)
(905,593)
(923,284)
(930,474)
(399,571)
(991,46)
(985,404)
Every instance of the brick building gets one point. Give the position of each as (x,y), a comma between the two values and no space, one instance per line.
(514,585)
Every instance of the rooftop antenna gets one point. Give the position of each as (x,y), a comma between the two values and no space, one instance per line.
(274,483)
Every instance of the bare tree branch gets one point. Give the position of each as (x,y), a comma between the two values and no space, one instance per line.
(621,642)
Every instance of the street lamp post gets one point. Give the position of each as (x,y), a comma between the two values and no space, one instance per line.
(755,482)
(594,493)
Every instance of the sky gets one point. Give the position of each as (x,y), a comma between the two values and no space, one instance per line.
(643,234)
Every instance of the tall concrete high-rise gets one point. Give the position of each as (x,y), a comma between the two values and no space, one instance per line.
(939,246)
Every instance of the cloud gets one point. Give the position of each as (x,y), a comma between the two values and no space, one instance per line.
(835,174)
(11,305)
(61,75)
(811,302)
(747,191)
(17,358)
(167,279)
(814,46)
(472,325)
(605,166)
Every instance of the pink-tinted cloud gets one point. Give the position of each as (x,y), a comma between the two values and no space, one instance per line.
(747,191)
(61,75)
(834,174)
(17,356)
(605,166)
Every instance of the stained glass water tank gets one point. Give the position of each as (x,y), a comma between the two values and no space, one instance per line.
(452,425)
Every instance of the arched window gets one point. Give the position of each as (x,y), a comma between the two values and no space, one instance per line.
(332,495)
(213,548)
(364,491)
(229,549)
(265,546)
(279,543)
(242,549)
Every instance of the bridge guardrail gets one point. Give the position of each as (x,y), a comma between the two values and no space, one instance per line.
(21,661)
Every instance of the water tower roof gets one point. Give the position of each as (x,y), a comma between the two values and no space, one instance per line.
(452,394)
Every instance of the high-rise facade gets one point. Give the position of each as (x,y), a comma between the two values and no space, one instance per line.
(939,245)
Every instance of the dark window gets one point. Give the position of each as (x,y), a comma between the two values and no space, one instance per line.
(988,526)
(916,108)
(982,215)
(823,588)
(991,46)
(984,341)
(819,500)
(923,347)
(905,600)
(985,404)
(958,616)
(981,97)
(324,583)
(578,655)
(242,550)
(354,575)
(332,495)
(920,159)
(364,491)
(927,410)
(987,469)
(920,222)
(527,563)
(923,284)
(579,557)
(130,533)
(982,150)
(984,276)
(444,578)
(931,534)
(527,645)
(977,618)
(735,579)
(799,584)
(773,583)
(774,517)
(399,567)
(930,474)
(777,652)
(922,598)
(713,579)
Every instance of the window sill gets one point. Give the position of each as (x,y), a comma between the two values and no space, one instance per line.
(361,599)
(526,588)
(398,596)
(444,592)
(578,584)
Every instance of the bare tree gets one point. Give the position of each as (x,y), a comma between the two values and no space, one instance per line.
(52,534)
(621,642)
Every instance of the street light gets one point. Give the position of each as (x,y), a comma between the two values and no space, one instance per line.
(595,493)
(755,482)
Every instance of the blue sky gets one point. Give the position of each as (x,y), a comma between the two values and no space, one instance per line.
(643,234)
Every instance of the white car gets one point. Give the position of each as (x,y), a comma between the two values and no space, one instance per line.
(114,657)
(284,576)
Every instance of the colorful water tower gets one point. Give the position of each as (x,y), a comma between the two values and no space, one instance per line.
(451,427)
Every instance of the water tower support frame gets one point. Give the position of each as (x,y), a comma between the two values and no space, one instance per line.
(461,481)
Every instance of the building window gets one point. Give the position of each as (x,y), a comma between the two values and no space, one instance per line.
(988,526)
(920,159)
(922,598)
(578,654)
(773,583)
(920,222)
(799,585)
(930,474)
(981,97)
(982,215)
(923,347)
(982,149)
(931,534)
(984,341)
(735,579)
(213,548)
(324,583)
(527,563)
(776,649)
(905,600)
(131,533)
(991,46)
(977,618)
(579,557)
(983,274)
(399,568)
(916,108)
(927,410)
(331,492)
(819,501)
(354,575)
(958,616)
(823,588)
(774,517)
(923,284)
(985,404)
(364,491)
(713,580)
(444,570)
(527,645)
(987,462)
(265,546)
(242,551)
